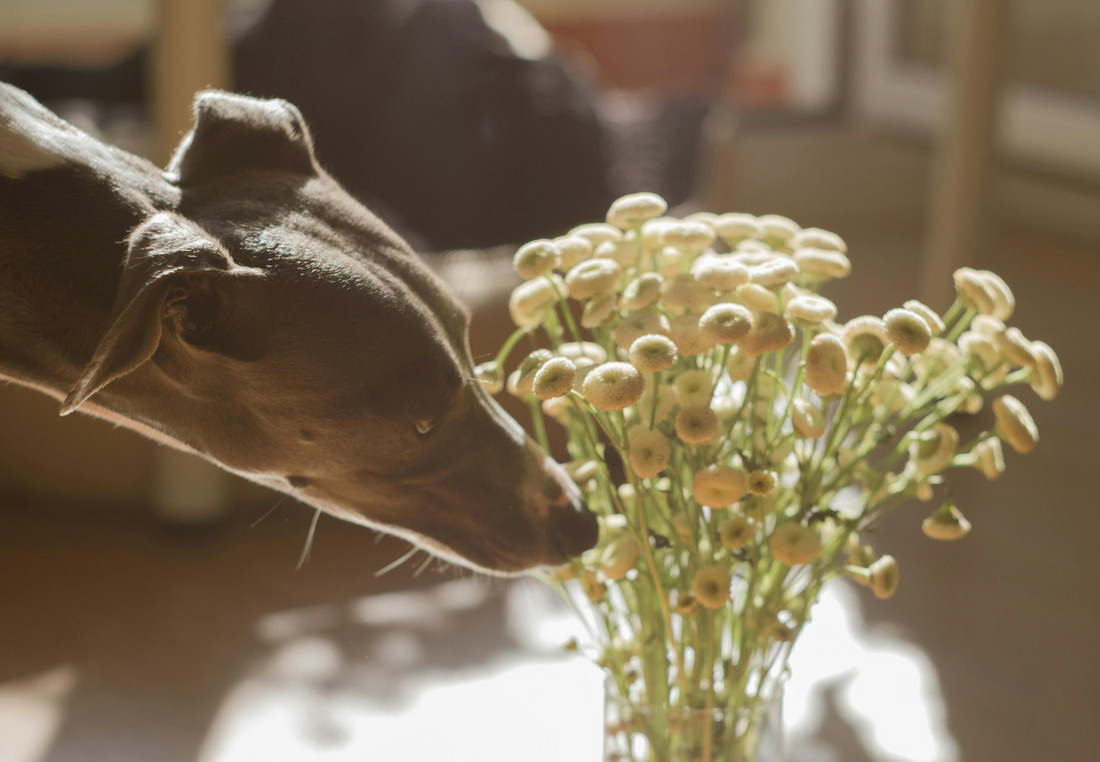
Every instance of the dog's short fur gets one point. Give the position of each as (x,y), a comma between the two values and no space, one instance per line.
(242,306)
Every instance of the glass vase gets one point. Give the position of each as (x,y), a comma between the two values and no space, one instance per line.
(641,733)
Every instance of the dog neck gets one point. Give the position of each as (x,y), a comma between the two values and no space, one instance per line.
(67,203)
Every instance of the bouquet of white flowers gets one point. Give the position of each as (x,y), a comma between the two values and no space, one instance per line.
(737,443)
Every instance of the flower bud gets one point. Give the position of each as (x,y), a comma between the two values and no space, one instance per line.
(634,326)
(726,323)
(973,290)
(593,277)
(597,233)
(687,605)
(778,230)
(652,353)
(688,235)
(711,586)
(554,378)
(693,386)
(985,355)
(1004,303)
(649,450)
(794,544)
(584,349)
(530,366)
(947,523)
(631,211)
(736,532)
(613,386)
(536,258)
(1014,424)
(827,366)
(696,423)
(939,356)
(718,486)
(907,331)
(625,251)
(491,376)
(642,291)
(884,577)
(757,298)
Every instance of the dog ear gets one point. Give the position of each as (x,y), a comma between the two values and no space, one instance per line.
(163,253)
(234,133)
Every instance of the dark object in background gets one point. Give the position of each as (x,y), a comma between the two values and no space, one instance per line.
(419,108)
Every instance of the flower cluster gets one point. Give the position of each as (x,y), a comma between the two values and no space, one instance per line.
(736,440)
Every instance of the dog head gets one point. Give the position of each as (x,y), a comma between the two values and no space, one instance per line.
(273,324)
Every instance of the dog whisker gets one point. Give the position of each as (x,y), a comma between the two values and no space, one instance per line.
(394,564)
(309,540)
(423,566)
(270,511)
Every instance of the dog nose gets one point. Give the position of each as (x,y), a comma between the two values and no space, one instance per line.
(575,529)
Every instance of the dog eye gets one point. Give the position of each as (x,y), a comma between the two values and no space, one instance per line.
(425,427)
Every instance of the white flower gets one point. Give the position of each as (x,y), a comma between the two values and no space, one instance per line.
(736,532)
(986,355)
(584,349)
(865,338)
(711,586)
(947,523)
(884,577)
(1016,349)
(930,317)
(634,326)
(599,310)
(1049,369)
(649,450)
(774,273)
(689,338)
(735,228)
(642,291)
(529,367)
(760,482)
(683,292)
(1014,424)
(613,386)
(720,272)
(554,378)
(536,258)
(808,419)
(990,458)
(666,401)
(593,277)
(573,249)
(757,298)
(778,230)
(726,323)
(817,238)
(653,352)
(794,544)
(827,365)
(907,331)
(933,449)
(630,211)
(530,300)
(620,556)
(740,365)
(1004,303)
(624,251)
(597,233)
(693,386)
(696,423)
(809,309)
(974,291)
(718,486)
(688,236)
(769,333)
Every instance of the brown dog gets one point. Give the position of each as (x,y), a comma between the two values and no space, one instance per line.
(242,306)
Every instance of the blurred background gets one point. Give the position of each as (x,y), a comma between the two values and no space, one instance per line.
(150,608)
